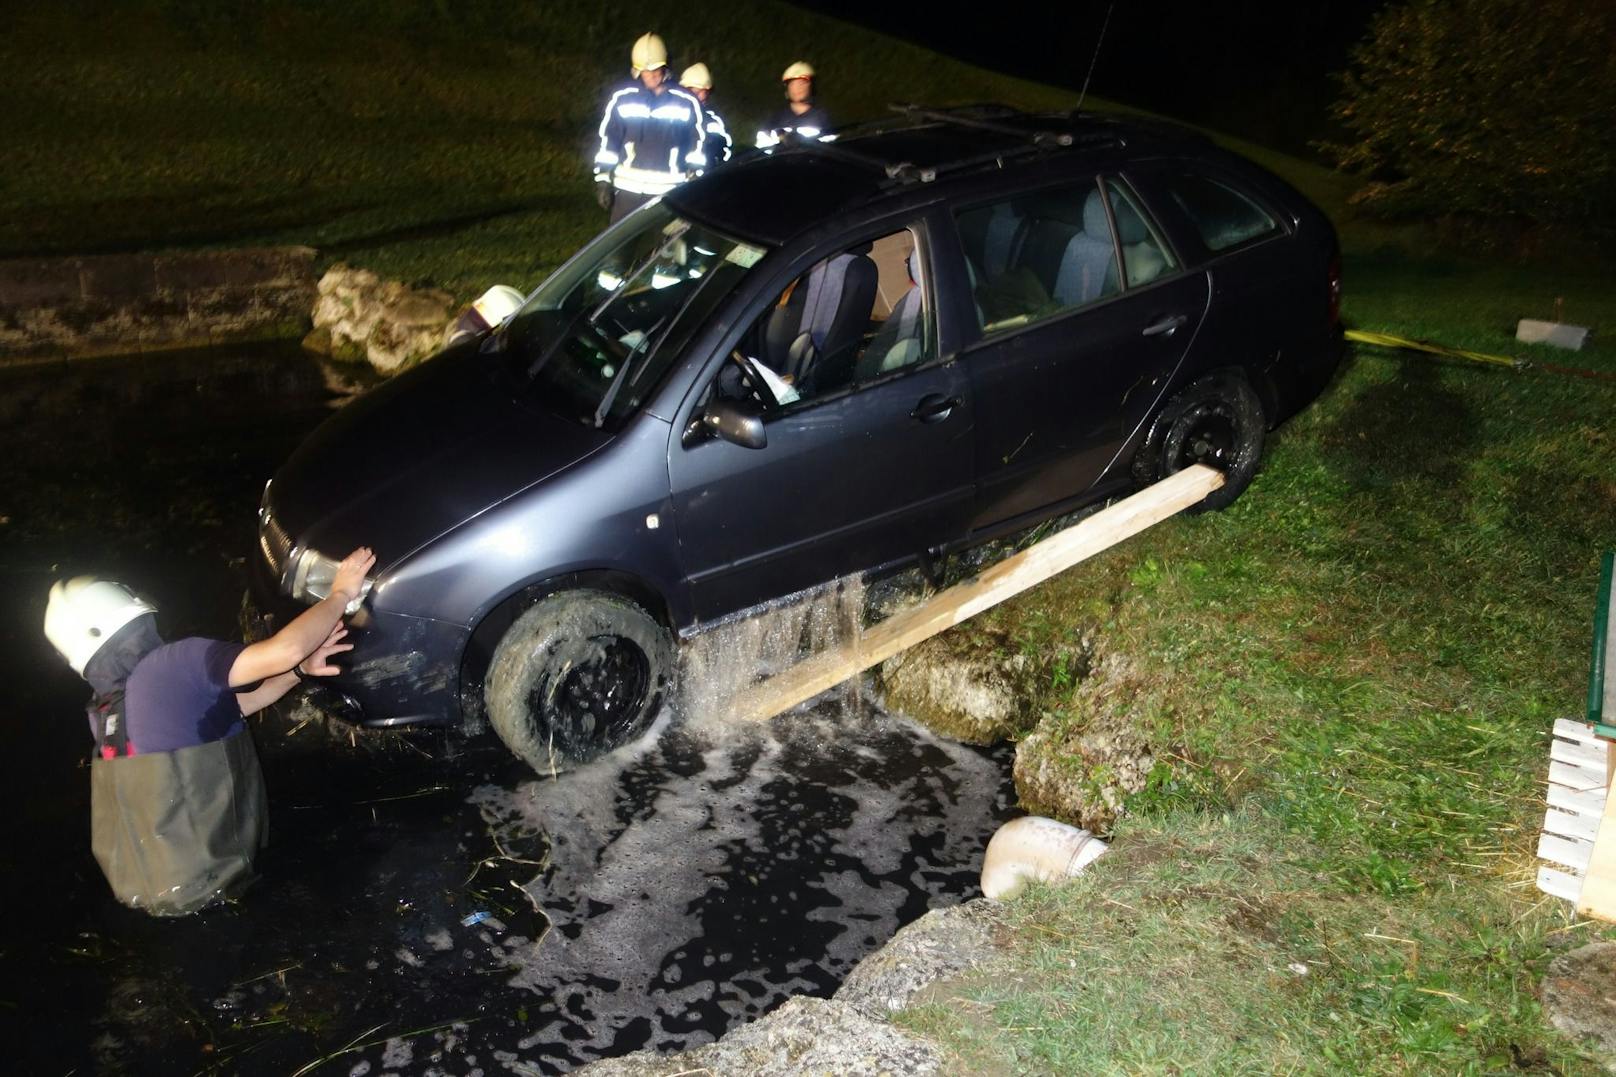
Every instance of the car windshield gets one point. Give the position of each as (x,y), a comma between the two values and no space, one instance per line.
(595,339)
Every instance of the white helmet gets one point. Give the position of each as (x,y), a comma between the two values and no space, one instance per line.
(802,69)
(85,612)
(696,77)
(649,52)
(490,309)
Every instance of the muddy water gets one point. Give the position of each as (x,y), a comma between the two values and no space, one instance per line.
(429,906)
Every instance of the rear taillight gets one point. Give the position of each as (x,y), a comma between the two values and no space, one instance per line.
(1334,285)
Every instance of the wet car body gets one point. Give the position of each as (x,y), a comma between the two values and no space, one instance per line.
(481,498)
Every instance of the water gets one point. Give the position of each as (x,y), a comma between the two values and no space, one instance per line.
(651,899)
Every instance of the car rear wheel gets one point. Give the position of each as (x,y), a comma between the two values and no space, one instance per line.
(580,674)
(1217,421)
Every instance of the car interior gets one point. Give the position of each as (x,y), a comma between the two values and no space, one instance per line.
(1051,251)
(850,318)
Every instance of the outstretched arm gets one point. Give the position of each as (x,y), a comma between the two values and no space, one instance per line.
(299,639)
(317,664)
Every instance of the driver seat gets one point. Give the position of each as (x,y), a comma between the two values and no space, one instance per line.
(814,334)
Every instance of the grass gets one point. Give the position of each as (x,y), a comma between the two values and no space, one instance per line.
(1347,677)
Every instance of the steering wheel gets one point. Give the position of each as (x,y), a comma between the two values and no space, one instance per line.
(751,380)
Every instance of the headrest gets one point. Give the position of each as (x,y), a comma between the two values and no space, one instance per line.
(1130,226)
(1094,222)
(913,264)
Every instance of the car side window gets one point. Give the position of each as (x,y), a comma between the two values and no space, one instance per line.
(1225,216)
(848,320)
(1144,255)
(1038,255)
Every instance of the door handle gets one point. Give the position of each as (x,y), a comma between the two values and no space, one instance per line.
(1164,327)
(934,408)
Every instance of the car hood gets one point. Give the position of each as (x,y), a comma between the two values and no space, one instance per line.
(419,455)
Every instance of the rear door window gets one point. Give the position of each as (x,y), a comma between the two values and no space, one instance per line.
(1145,256)
(1038,255)
(1225,215)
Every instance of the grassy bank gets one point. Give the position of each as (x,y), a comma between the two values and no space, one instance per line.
(1347,678)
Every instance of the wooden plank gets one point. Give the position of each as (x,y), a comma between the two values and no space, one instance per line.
(1581,755)
(1574,777)
(1559,884)
(1004,580)
(1570,825)
(1566,851)
(1590,803)
(1598,897)
(1581,732)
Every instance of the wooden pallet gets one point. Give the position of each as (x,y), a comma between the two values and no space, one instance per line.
(1578,764)
(1579,831)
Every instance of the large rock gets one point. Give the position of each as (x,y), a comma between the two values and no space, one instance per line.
(942,944)
(390,325)
(1579,994)
(961,685)
(804,1036)
(1081,768)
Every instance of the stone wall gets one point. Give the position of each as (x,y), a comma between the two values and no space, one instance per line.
(359,315)
(120,303)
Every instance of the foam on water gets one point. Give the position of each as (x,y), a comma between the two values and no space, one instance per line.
(709,880)
(704,876)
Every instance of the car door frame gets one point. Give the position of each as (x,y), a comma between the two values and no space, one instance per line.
(942,254)
(1115,473)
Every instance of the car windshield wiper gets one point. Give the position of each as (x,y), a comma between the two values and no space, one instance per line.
(638,268)
(642,348)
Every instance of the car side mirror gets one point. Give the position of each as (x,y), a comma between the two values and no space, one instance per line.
(735,424)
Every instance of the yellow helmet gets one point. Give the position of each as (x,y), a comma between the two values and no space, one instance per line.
(802,69)
(649,52)
(696,77)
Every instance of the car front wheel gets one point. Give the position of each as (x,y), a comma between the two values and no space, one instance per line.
(580,674)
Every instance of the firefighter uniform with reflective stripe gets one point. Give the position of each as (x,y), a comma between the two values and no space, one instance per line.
(810,126)
(718,141)
(650,142)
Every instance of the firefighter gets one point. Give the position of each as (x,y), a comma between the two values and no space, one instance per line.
(801,118)
(699,81)
(177,806)
(651,135)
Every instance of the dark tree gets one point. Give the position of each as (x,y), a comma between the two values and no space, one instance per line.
(1492,109)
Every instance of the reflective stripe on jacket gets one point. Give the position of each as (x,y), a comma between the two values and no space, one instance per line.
(649,142)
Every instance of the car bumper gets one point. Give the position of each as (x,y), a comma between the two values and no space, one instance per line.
(402,670)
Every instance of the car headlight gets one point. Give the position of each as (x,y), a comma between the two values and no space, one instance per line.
(312,575)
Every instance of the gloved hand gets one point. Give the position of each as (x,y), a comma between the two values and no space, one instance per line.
(605,195)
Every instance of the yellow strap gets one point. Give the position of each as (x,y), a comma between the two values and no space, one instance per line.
(1387,340)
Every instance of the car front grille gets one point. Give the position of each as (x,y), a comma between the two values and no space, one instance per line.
(275,543)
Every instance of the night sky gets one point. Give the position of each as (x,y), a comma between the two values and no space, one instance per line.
(1259,69)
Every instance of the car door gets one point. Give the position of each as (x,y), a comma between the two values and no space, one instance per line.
(852,476)
(1083,313)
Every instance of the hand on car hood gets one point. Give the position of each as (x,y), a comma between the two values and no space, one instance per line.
(419,455)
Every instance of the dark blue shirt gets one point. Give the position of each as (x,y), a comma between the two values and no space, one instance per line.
(180,695)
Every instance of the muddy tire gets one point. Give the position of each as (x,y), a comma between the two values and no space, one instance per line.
(580,674)
(1217,421)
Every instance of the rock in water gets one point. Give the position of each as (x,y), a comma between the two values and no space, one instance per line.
(804,1036)
(963,688)
(1579,994)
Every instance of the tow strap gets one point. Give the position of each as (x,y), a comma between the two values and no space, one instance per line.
(1388,340)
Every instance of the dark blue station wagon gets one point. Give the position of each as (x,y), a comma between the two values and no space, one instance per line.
(837,358)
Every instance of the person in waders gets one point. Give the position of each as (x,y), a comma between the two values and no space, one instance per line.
(177,805)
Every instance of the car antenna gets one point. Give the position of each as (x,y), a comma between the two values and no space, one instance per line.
(1095,58)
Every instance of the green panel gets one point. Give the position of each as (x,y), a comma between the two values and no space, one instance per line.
(1596,673)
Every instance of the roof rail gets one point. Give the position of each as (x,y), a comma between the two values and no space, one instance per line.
(904,172)
(937,115)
